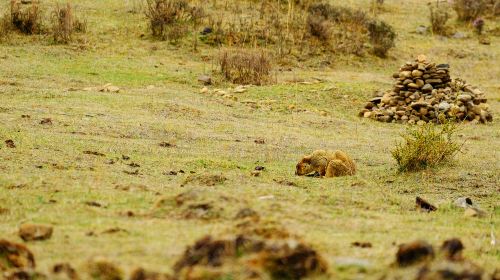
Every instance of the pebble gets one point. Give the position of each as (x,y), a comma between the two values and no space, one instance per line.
(204,79)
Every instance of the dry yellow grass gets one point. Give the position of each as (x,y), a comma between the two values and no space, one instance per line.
(48,177)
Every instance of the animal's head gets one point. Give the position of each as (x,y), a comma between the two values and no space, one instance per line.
(304,167)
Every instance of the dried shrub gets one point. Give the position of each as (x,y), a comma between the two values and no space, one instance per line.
(64,24)
(468,10)
(26,20)
(348,30)
(5,26)
(382,37)
(246,66)
(439,16)
(426,146)
(170,19)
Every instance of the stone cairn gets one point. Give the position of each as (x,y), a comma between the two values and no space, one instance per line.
(424,92)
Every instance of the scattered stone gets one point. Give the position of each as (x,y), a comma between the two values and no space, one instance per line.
(124,157)
(362,244)
(103,269)
(204,90)
(424,205)
(240,89)
(464,202)
(414,252)
(46,121)
(204,79)
(484,40)
(422,30)
(459,35)
(64,271)
(10,144)
(474,212)
(13,255)
(259,168)
(26,116)
(424,84)
(33,232)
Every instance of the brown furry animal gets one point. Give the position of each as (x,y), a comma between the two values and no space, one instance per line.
(326,163)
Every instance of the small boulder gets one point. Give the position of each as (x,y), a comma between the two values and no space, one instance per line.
(204,79)
(427,88)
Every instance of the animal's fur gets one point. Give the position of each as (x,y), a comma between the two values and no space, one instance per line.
(326,163)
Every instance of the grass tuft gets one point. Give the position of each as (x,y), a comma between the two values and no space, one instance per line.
(246,66)
(426,146)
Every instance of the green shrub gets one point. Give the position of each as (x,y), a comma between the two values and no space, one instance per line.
(426,146)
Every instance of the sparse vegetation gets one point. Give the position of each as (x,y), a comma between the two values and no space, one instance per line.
(132,148)
(426,146)
(382,37)
(170,19)
(439,16)
(245,67)
(64,24)
(27,20)
(468,10)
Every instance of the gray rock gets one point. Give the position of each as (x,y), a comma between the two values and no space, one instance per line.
(206,80)
(433,81)
(427,88)
(444,106)
(422,30)
(464,98)
(459,35)
(464,202)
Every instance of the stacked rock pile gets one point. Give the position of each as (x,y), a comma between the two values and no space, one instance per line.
(424,92)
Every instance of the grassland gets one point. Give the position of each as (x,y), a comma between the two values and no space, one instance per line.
(48,178)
